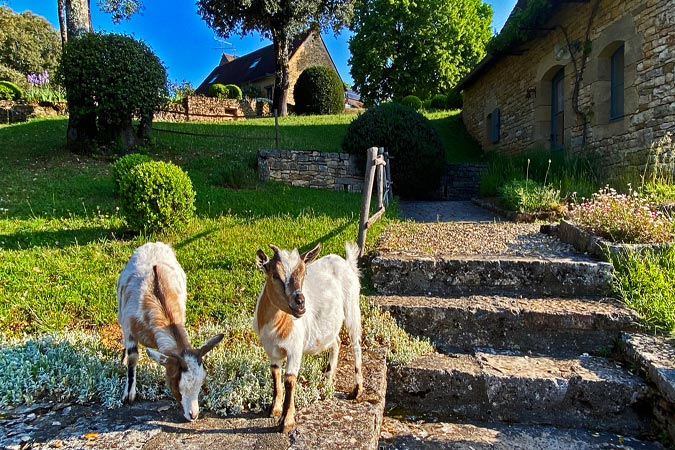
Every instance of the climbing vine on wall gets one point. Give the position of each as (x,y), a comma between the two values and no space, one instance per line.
(522,26)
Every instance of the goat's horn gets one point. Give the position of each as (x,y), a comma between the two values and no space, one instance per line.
(275,249)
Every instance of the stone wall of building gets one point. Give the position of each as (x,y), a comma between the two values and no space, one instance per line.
(209,109)
(336,171)
(312,53)
(519,85)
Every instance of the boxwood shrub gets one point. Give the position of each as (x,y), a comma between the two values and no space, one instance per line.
(11,91)
(319,90)
(123,165)
(413,101)
(410,138)
(233,91)
(157,196)
(218,90)
(439,101)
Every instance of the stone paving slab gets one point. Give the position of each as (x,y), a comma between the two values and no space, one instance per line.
(159,425)
(549,325)
(581,392)
(417,434)
(411,275)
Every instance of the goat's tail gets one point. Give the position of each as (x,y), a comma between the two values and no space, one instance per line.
(352,258)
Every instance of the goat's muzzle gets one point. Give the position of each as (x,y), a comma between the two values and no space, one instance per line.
(297,304)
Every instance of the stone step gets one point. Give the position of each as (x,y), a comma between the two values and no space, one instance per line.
(582,392)
(436,435)
(554,325)
(426,275)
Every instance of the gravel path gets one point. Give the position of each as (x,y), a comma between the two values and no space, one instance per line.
(471,239)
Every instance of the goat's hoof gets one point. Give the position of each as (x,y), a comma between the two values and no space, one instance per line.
(356,394)
(287,427)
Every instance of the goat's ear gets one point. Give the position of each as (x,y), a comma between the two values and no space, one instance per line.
(312,254)
(261,259)
(158,357)
(208,345)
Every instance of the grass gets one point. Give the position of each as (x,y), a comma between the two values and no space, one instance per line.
(460,146)
(63,243)
(645,282)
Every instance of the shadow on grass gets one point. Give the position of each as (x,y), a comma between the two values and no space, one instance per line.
(60,239)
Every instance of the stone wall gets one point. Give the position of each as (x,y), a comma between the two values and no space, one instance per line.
(11,112)
(462,181)
(336,171)
(520,85)
(209,109)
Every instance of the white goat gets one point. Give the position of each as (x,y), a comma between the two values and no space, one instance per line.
(300,311)
(151,293)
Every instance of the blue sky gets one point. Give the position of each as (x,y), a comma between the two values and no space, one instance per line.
(187,47)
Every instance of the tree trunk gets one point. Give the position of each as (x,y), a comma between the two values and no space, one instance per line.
(81,134)
(281,42)
(61,5)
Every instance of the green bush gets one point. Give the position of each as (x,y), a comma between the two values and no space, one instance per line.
(410,138)
(123,165)
(12,91)
(157,196)
(233,91)
(426,105)
(111,79)
(455,100)
(6,93)
(439,101)
(218,90)
(13,75)
(412,101)
(528,196)
(319,90)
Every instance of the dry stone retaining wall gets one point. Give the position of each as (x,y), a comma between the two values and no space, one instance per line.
(210,109)
(336,171)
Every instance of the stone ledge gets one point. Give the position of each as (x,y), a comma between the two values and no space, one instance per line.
(596,246)
(515,216)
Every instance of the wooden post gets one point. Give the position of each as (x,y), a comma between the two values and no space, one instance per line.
(276,130)
(387,168)
(380,178)
(367,192)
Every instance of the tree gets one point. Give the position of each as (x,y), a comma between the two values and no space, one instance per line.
(110,80)
(401,47)
(278,20)
(28,43)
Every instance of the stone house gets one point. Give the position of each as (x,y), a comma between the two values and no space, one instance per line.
(256,70)
(524,98)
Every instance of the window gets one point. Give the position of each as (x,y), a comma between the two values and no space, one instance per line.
(616,84)
(213,78)
(254,63)
(493,126)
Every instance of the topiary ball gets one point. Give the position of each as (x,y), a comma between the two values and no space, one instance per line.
(233,91)
(319,90)
(157,196)
(122,166)
(412,101)
(410,138)
(218,90)
(439,101)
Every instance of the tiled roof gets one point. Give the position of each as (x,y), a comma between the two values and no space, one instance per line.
(250,67)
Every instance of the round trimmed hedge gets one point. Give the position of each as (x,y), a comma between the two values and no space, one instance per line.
(122,166)
(157,196)
(233,91)
(218,90)
(410,138)
(10,91)
(319,90)
(413,101)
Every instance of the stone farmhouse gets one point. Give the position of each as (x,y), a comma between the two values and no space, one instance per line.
(256,69)
(524,98)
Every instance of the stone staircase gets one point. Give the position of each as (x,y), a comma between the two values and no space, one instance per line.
(526,356)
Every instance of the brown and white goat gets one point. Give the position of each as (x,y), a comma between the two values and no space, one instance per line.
(300,310)
(151,293)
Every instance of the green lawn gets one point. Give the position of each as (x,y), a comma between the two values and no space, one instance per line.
(63,243)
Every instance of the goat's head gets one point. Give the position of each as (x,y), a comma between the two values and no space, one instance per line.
(285,276)
(185,374)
